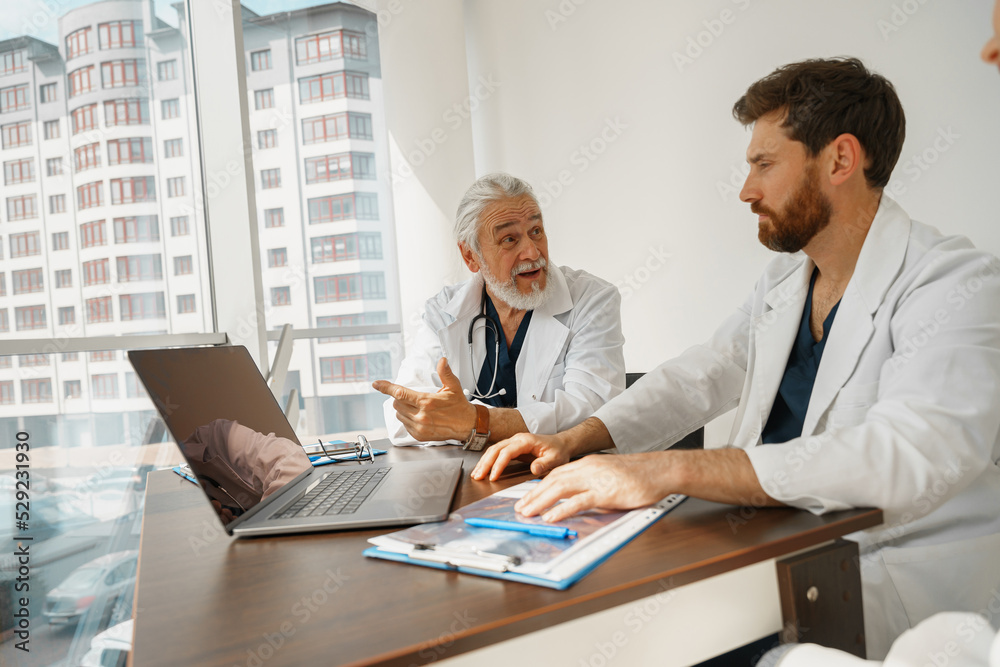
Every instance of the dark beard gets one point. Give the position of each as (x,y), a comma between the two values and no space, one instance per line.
(806,214)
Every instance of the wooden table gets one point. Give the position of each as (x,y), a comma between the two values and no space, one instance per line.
(204,598)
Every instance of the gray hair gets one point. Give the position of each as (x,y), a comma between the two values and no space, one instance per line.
(488,189)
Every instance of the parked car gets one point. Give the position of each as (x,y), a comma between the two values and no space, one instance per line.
(110,648)
(96,586)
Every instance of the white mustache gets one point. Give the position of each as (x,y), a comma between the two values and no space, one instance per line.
(525,267)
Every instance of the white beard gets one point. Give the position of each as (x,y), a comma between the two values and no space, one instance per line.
(510,294)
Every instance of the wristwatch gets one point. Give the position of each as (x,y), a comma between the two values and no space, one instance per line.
(481,431)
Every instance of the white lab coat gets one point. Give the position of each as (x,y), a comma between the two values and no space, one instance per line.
(904,414)
(571,361)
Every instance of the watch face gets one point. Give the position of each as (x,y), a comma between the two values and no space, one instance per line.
(476,442)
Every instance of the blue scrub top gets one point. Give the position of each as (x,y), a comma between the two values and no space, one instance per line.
(506,377)
(789,410)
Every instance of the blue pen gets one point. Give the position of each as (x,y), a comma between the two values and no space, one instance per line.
(557,532)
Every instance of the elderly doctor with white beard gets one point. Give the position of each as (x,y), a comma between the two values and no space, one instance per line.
(522,346)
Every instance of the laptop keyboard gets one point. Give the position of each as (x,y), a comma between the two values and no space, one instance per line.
(341,492)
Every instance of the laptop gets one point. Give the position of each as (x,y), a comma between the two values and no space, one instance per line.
(251,466)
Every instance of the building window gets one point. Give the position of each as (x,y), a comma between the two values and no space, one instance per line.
(349,287)
(7,392)
(47,93)
(145,306)
(13,62)
(102,355)
(89,195)
(260,60)
(166,70)
(96,272)
(185,303)
(21,208)
(54,166)
(137,150)
(29,317)
(17,134)
(71,356)
(14,98)
(331,127)
(133,190)
(26,281)
(3,285)
(267,139)
(120,73)
(60,240)
(87,157)
(173,148)
(99,310)
(274,217)
(179,226)
(133,388)
(270,178)
(175,186)
(81,81)
(356,205)
(366,245)
(33,360)
(332,86)
(171,109)
(263,99)
(57,204)
(19,171)
(353,320)
(138,268)
(183,265)
(36,391)
(92,234)
(71,389)
(104,385)
(137,229)
(85,118)
(120,34)
(277,257)
(4,327)
(78,43)
(67,315)
(358,368)
(281,296)
(127,112)
(50,129)
(330,45)
(325,168)
(25,244)
(64,278)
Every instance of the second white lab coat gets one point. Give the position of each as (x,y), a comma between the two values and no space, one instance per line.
(904,414)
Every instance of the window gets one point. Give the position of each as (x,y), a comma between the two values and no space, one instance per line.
(330,45)
(332,86)
(270,178)
(14,98)
(36,391)
(357,205)
(349,287)
(138,268)
(71,389)
(29,317)
(81,81)
(99,310)
(104,385)
(354,320)
(87,157)
(337,167)
(274,217)
(260,60)
(57,204)
(47,93)
(31,360)
(60,240)
(27,281)
(120,73)
(54,166)
(67,315)
(120,34)
(355,45)
(166,70)
(267,139)
(281,296)
(185,303)
(146,306)
(96,272)
(173,148)
(78,43)
(85,118)
(277,257)
(127,112)
(171,109)
(21,208)
(19,171)
(263,99)
(16,134)
(334,126)
(4,322)
(346,246)
(13,62)
(179,226)
(175,186)
(3,284)
(133,388)
(137,229)
(89,195)
(50,129)
(183,265)
(132,190)
(71,356)
(64,278)
(92,234)
(102,355)
(7,392)
(25,244)
(137,150)
(358,368)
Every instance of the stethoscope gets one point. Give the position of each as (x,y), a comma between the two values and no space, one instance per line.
(491,323)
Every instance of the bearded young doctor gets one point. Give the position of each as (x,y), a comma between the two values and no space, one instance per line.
(863,367)
(522,346)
